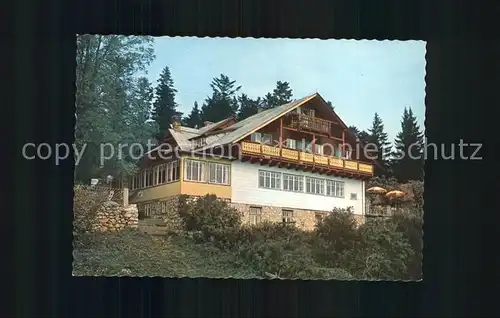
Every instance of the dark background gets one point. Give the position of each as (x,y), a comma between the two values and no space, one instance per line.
(458,222)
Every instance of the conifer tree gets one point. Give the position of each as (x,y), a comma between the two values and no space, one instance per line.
(248,106)
(282,94)
(378,137)
(164,106)
(407,163)
(222,104)
(194,118)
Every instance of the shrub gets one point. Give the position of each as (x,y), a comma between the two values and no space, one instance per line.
(212,217)
(411,226)
(338,229)
(382,253)
(277,257)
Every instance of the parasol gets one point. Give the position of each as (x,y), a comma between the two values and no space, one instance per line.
(377,190)
(395,194)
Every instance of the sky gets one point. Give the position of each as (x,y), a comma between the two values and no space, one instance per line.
(358,77)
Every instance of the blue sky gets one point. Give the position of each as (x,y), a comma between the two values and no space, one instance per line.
(358,77)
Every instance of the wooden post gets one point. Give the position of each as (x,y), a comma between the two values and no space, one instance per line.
(343,143)
(125,196)
(281,135)
(314,148)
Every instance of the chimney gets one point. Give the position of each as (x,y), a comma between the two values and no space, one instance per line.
(176,124)
(206,123)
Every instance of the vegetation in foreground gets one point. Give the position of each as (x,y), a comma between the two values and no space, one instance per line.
(214,243)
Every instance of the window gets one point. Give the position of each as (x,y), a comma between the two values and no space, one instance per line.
(308,146)
(162,174)
(255,215)
(337,151)
(318,149)
(335,188)
(156,171)
(347,154)
(194,171)
(301,145)
(163,207)
(219,173)
(318,217)
(293,183)
(269,180)
(135,181)
(147,210)
(147,178)
(199,142)
(354,196)
(291,143)
(172,170)
(287,216)
(315,186)
(261,137)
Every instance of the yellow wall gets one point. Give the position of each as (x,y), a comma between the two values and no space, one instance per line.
(202,188)
(157,192)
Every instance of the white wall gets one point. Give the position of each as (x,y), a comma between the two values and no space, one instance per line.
(245,189)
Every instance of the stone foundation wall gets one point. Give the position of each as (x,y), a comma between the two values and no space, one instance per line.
(112,216)
(304,219)
(165,210)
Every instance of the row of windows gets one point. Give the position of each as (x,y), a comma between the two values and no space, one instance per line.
(161,174)
(287,216)
(255,215)
(295,183)
(210,172)
(194,170)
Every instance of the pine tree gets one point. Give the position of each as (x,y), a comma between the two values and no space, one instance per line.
(164,107)
(248,106)
(194,117)
(361,134)
(282,94)
(222,104)
(329,103)
(378,137)
(407,163)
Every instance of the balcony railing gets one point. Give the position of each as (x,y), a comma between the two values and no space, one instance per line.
(305,157)
(300,121)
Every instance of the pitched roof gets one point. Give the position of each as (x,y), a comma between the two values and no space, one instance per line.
(245,127)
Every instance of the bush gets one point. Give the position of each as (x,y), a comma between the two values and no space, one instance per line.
(411,226)
(381,253)
(338,229)
(213,218)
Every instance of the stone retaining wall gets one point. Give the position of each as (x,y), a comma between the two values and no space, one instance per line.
(114,217)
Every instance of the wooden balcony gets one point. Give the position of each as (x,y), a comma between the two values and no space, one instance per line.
(299,157)
(304,122)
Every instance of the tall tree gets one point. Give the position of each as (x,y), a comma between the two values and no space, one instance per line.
(107,95)
(248,106)
(362,135)
(378,137)
(222,104)
(407,163)
(329,103)
(194,117)
(164,106)
(282,94)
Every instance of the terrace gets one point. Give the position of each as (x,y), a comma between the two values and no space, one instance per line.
(293,156)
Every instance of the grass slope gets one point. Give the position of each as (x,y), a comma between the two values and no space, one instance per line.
(131,253)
